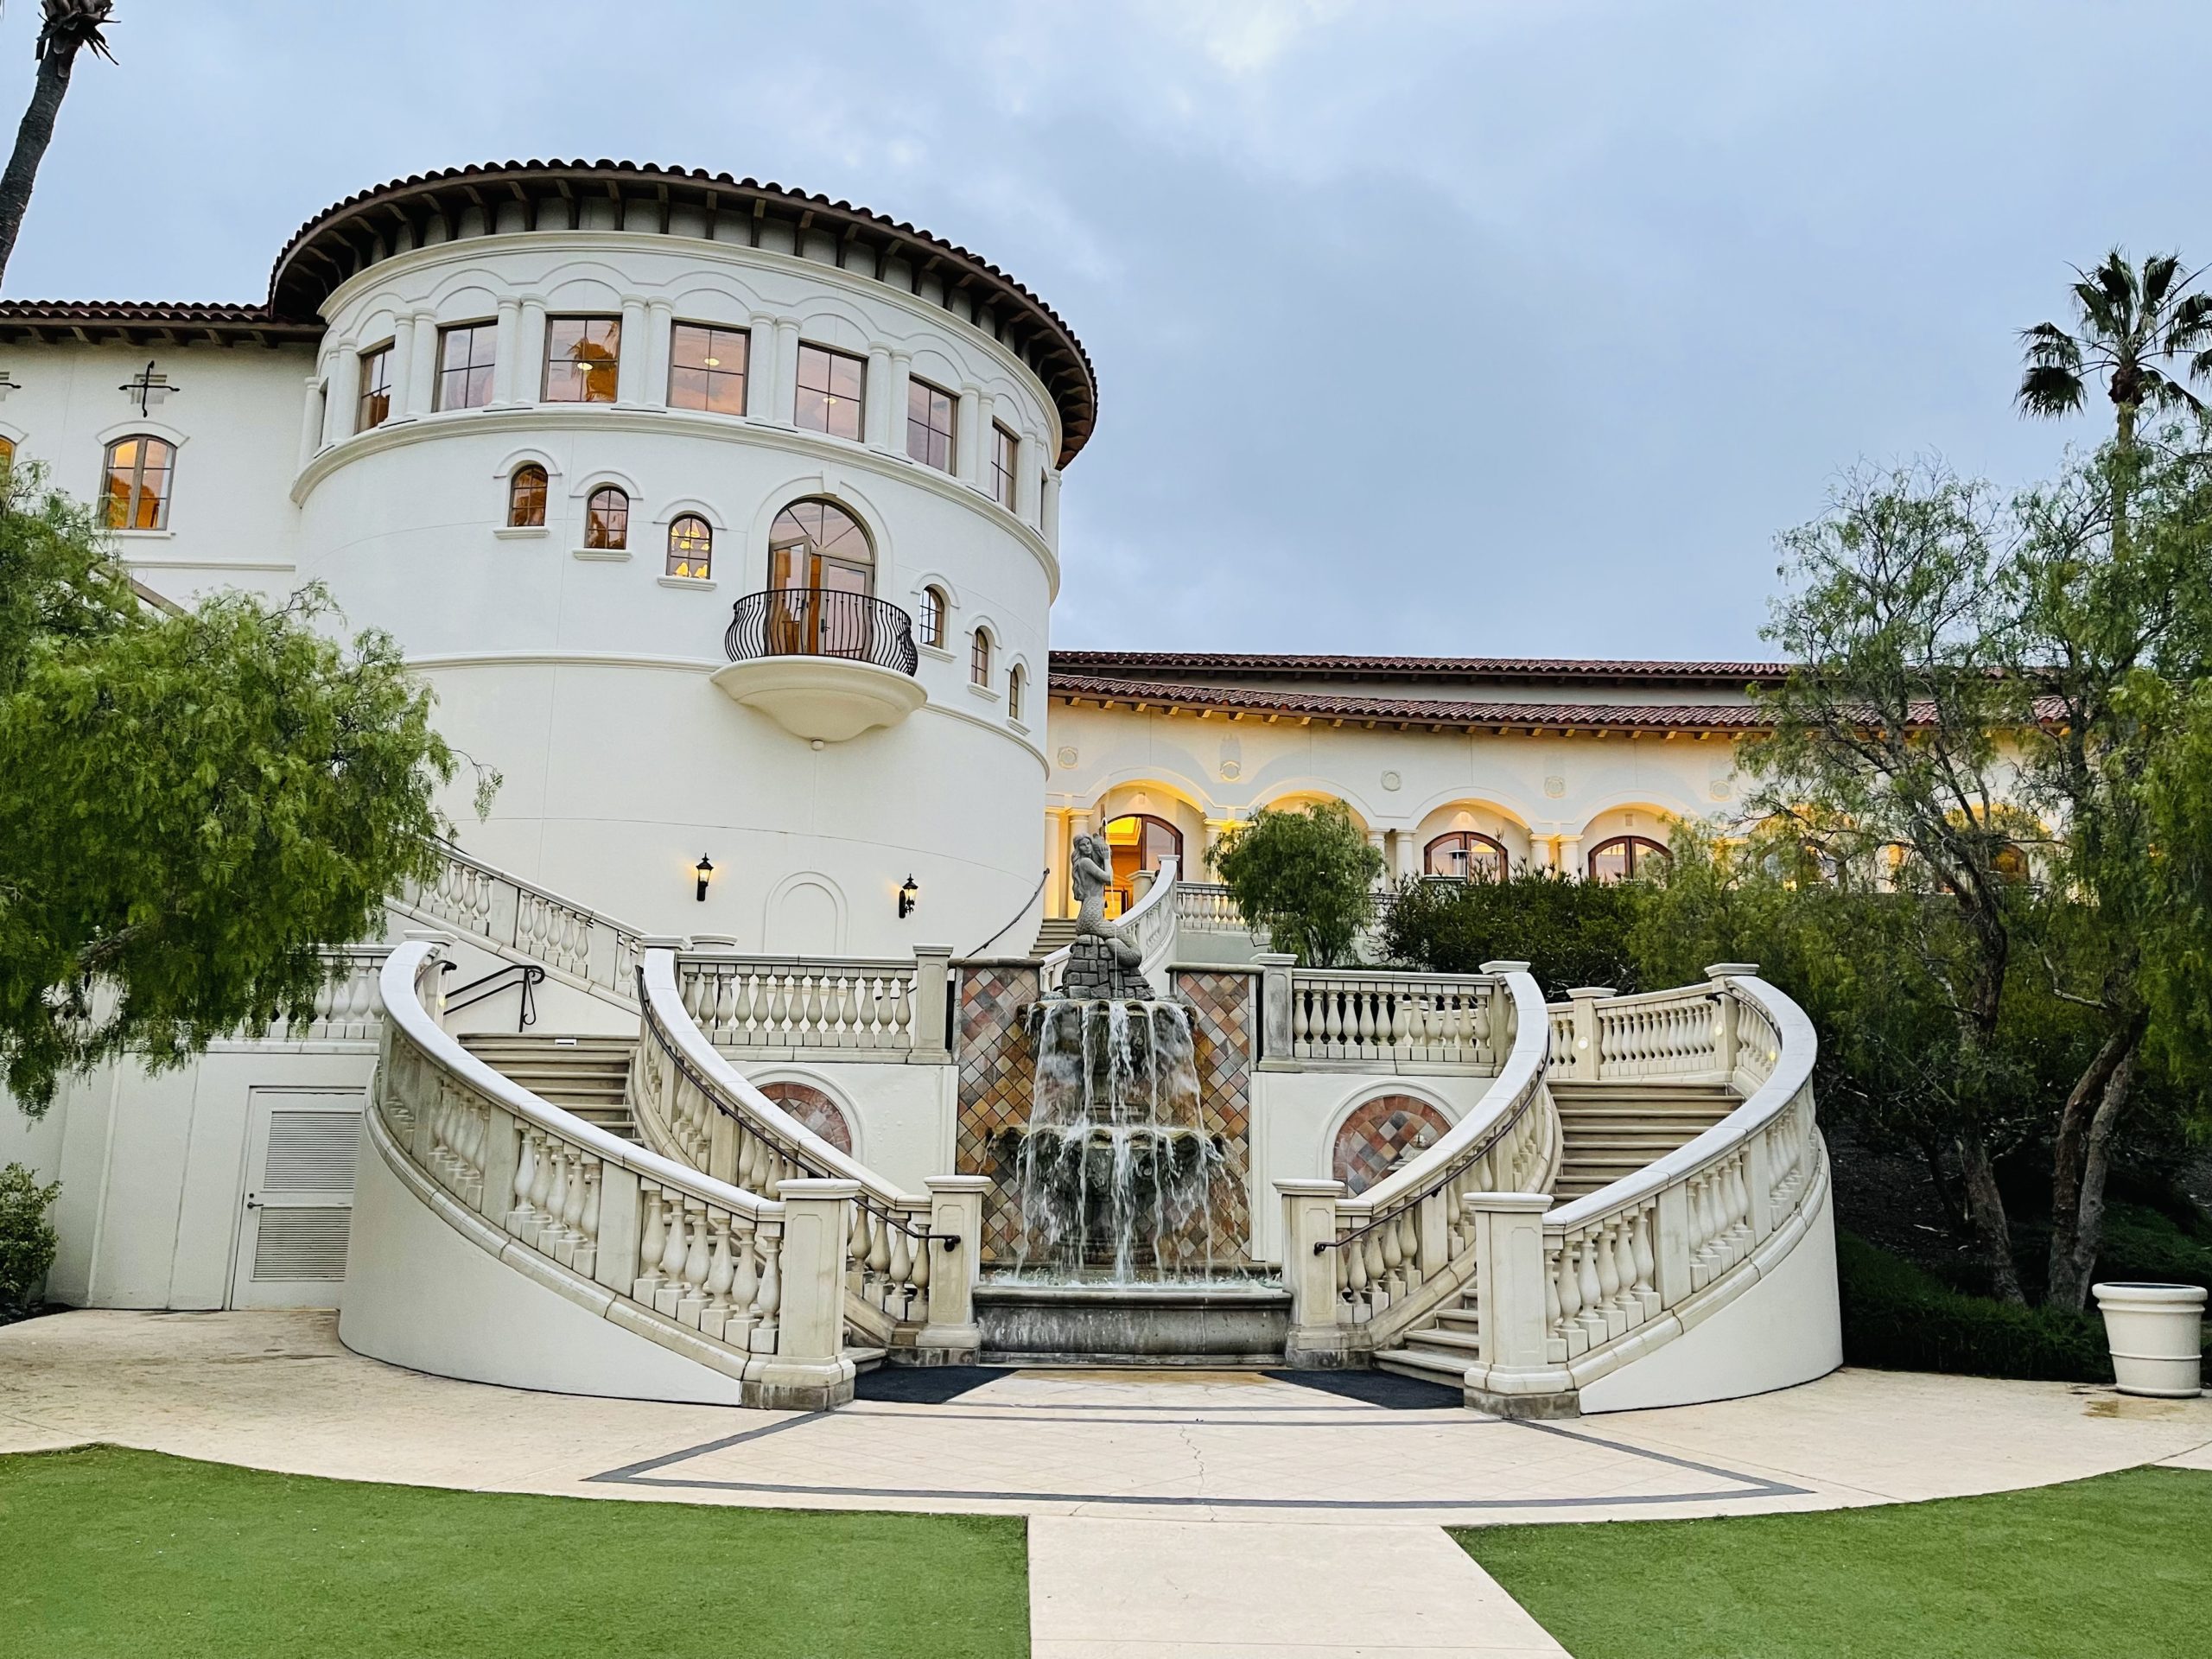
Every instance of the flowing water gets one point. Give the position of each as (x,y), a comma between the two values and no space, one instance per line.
(1115,1170)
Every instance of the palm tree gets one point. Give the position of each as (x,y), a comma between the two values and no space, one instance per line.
(2134,329)
(67,28)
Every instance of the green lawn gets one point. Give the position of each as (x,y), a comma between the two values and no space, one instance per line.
(106,1552)
(2117,1567)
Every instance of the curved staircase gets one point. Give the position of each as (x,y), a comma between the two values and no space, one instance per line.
(587,1076)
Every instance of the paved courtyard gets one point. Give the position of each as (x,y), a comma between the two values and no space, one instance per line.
(1228,1513)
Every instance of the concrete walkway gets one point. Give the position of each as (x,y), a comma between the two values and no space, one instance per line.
(1218,1513)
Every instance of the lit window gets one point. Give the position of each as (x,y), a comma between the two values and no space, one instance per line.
(691,546)
(374,407)
(1619,858)
(583,357)
(933,609)
(706,368)
(606,519)
(979,658)
(1004,447)
(526,498)
(1465,854)
(830,388)
(929,425)
(1013,679)
(137,489)
(7,452)
(465,365)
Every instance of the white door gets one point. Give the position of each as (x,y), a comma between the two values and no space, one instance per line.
(299,1197)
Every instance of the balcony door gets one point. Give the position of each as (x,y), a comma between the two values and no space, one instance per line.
(821,570)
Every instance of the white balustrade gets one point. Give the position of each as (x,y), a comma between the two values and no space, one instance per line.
(694,1251)
(527,922)
(1206,907)
(348,1005)
(1393,1020)
(758,1003)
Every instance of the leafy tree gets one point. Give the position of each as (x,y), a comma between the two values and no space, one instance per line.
(65,27)
(1304,877)
(192,803)
(1570,932)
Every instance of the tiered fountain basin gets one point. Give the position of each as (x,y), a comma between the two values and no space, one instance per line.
(1113,1178)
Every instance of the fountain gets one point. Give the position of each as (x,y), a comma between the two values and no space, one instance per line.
(1113,1177)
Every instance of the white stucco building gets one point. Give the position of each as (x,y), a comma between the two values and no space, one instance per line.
(724,521)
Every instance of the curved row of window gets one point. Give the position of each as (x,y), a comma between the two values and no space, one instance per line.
(707,369)
(1469,854)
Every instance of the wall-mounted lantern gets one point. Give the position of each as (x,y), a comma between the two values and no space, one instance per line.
(909,896)
(704,869)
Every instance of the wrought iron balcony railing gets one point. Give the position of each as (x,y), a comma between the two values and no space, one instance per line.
(821,622)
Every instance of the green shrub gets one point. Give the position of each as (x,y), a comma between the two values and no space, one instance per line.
(2141,1243)
(28,1240)
(1569,933)
(1302,877)
(1898,1318)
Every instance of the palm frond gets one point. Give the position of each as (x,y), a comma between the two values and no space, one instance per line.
(2049,389)
(2049,345)
(2159,273)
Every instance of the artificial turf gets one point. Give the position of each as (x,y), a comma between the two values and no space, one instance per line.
(2120,1565)
(107,1551)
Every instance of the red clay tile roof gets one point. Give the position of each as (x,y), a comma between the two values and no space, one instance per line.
(1277,664)
(1406,711)
(140,320)
(324,251)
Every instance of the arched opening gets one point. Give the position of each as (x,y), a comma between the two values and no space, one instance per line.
(813,1108)
(135,485)
(979,658)
(821,569)
(1465,855)
(606,519)
(1620,858)
(1380,1136)
(691,547)
(1015,677)
(1135,841)
(930,622)
(526,498)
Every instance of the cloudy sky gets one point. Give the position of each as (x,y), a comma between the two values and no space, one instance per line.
(1496,327)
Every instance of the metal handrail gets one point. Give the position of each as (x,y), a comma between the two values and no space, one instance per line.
(526,974)
(821,622)
(1445,1177)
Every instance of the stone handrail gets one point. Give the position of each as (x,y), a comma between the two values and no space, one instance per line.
(724,1275)
(690,1102)
(1362,1271)
(818,1008)
(526,923)
(1394,1021)
(1206,907)
(1572,1293)
(348,1005)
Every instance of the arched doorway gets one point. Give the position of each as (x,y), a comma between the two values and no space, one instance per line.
(822,568)
(1136,840)
(1465,854)
(1620,858)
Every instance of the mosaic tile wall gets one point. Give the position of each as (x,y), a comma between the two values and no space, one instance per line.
(996,1066)
(815,1109)
(1381,1133)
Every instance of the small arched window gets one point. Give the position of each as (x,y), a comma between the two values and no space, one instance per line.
(1619,858)
(979,658)
(607,519)
(526,498)
(135,489)
(7,453)
(1015,677)
(691,546)
(1465,854)
(933,608)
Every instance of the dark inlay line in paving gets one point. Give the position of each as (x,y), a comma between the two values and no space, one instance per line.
(1384,1388)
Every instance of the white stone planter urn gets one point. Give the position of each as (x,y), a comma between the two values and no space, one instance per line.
(2156,1333)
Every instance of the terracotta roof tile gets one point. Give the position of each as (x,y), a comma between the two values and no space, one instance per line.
(1409,711)
(1457,667)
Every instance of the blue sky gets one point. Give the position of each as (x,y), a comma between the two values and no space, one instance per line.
(1496,327)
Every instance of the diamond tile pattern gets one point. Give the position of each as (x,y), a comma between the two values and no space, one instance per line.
(997,1065)
(814,1108)
(1381,1133)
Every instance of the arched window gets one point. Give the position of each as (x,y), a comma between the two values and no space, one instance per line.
(1136,840)
(1015,677)
(1619,858)
(7,453)
(136,487)
(606,519)
(691,546)
(931,618)
(822,566)
(1464,853)
(979,658)
(526,498)
(373,407)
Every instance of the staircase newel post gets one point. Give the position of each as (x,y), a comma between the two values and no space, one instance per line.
(808,1371)
(1514,1376)
(1275,1010)
(932,993)
(502,1153)
(956,1244)
(616,1263)
(1724,1034)
(1585,1000)
(658,951)
(1320,1339)
(1671,1248)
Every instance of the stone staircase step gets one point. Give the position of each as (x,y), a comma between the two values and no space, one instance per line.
(865,1359)
(1429,1367)
(1459,1318)
(1438,1339)
(1054,932)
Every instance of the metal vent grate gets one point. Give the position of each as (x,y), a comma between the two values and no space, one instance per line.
(311,1152)
(302,1241)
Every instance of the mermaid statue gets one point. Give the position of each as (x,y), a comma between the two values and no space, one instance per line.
(1091,869)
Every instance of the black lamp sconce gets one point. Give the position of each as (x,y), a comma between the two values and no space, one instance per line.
(704,870)
(909,896)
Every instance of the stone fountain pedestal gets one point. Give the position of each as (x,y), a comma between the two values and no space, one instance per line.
(1214,1322)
